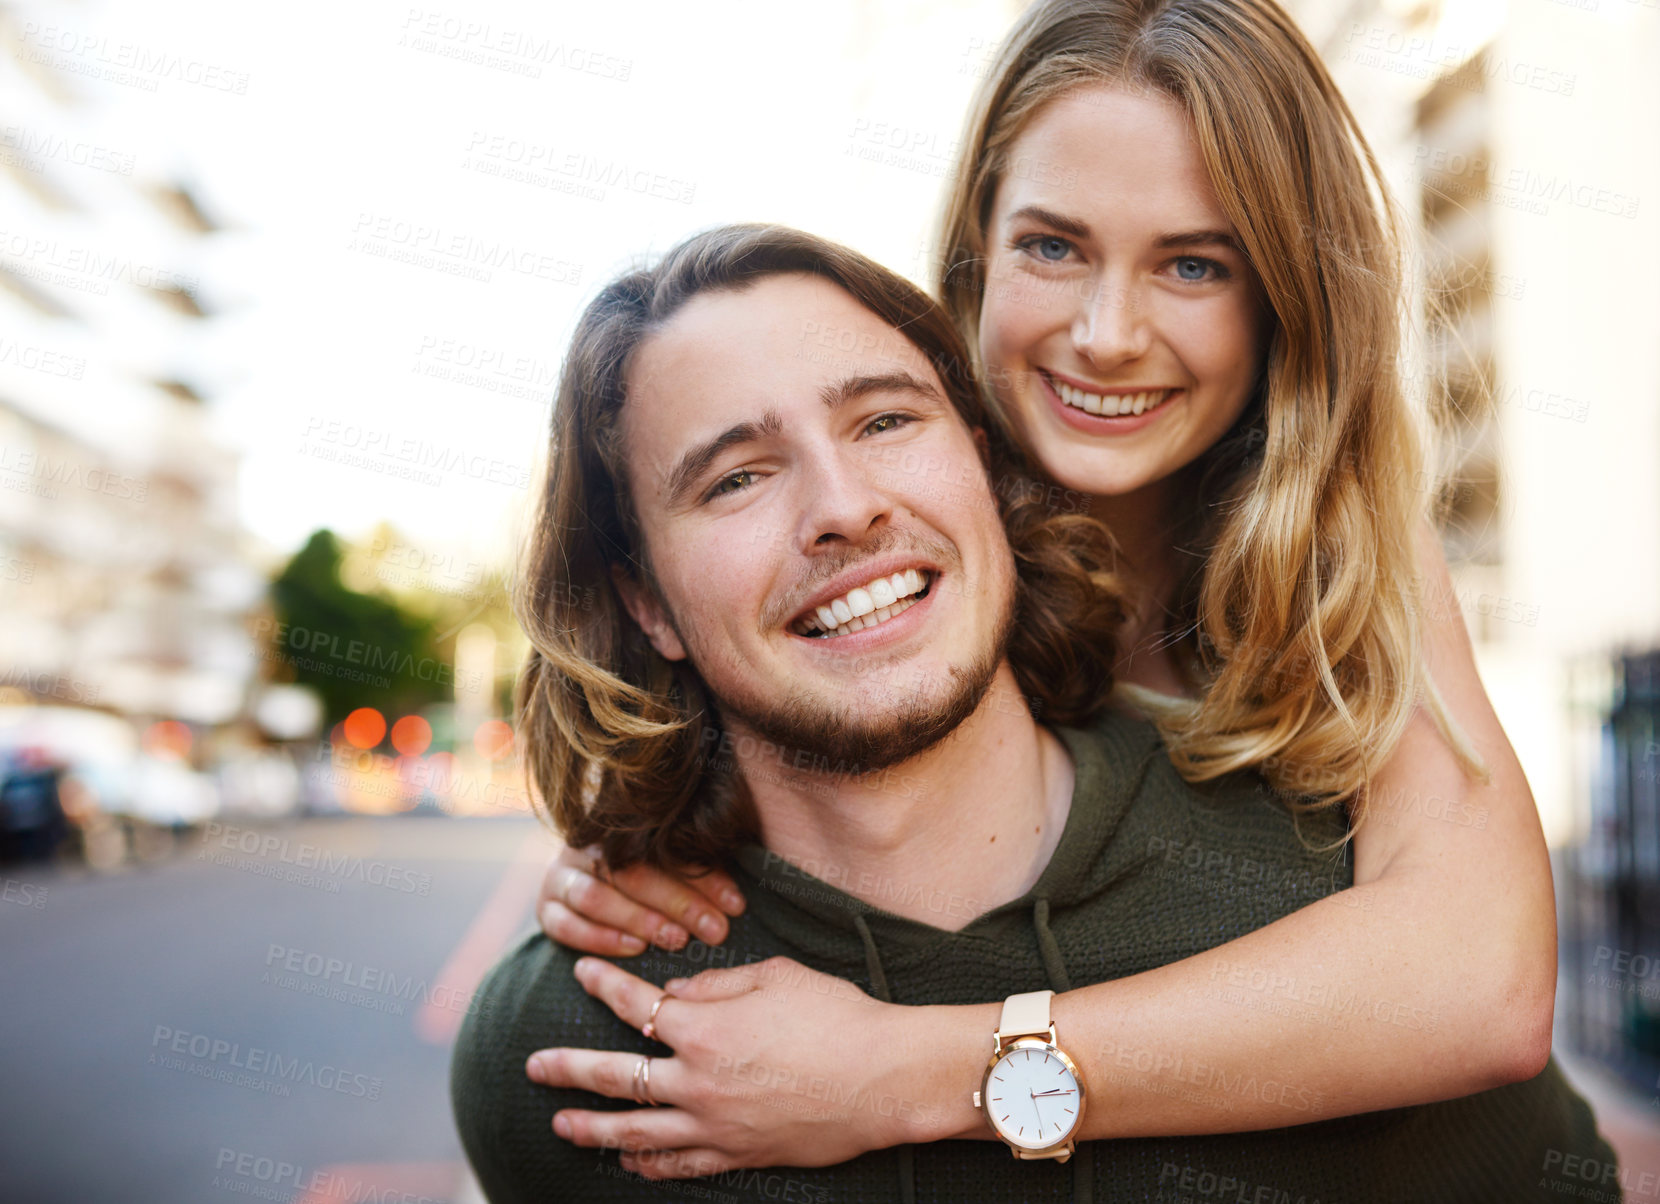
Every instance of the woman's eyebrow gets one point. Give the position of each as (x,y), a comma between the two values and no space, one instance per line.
(1066,225)
(1200,238)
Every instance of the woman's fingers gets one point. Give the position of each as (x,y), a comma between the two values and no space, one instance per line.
(722,983)
(630,997)
(571,930)
(602,905)
(642,1129)
(605,1072)
(719,888)
(686,904)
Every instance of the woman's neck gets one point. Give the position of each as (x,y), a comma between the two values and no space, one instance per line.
(1144,525)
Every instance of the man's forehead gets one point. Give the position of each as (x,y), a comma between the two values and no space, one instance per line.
(774,347)
(787,330)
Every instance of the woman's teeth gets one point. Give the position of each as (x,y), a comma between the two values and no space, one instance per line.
(875,602)
(1109,405)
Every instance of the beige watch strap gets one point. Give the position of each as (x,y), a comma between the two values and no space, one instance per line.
(1025,1015)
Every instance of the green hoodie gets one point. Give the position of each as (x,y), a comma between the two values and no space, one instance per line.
(1148,870)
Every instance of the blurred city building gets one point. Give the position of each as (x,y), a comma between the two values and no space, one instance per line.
(1523,140)
(126,583)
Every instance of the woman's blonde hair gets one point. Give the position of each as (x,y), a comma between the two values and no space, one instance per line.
(1298,621)
(619,740)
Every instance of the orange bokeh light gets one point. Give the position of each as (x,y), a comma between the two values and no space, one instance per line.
(493,739)
(365,727)
(411,735)
(167,737)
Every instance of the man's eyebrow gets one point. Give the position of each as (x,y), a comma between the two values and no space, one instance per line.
(854,387)
(695,462)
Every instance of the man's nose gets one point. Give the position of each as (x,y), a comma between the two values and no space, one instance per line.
(1111,326)
(844,496)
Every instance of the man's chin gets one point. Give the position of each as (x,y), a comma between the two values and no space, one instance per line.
(818,737)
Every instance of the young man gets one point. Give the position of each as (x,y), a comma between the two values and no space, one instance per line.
(788,609)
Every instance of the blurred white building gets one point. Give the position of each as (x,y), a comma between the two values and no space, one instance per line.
(125,582)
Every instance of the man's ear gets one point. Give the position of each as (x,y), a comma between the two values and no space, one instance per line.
(982,443)
(646,611)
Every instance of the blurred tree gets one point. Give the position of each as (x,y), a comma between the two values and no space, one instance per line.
(354,649)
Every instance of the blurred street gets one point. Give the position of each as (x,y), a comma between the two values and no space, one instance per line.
(273,1023)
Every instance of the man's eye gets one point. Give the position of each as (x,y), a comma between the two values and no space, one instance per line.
(886,422)
(732,482)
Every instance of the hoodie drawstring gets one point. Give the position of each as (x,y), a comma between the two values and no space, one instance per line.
(1054,966)
(879,988)
(1083,1156)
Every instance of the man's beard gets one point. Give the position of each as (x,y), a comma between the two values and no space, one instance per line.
(814,737)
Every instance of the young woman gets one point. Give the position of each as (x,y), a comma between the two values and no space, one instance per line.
(1170,248)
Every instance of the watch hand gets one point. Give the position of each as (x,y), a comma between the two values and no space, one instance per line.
(1053,1091)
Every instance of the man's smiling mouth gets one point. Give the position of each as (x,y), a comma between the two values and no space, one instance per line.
(875,602)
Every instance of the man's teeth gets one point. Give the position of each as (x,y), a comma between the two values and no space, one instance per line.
(874,602)
(1115,405)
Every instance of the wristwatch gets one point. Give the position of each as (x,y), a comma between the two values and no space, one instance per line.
(1032,1093)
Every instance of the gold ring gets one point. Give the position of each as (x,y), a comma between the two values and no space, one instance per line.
(641,1085)
(649,1032)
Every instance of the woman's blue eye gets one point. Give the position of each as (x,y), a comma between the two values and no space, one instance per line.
(1053,248)
(1190,268)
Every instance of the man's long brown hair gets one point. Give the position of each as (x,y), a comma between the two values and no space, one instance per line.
(616,738)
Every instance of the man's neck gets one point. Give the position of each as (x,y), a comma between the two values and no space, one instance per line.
(962,827)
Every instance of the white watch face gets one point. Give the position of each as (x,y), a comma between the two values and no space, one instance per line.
(1032,1098)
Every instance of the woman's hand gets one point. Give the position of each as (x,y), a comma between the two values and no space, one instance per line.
(774,1065)
(587,907)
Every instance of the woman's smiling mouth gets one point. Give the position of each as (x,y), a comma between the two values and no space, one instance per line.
(1120,403)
